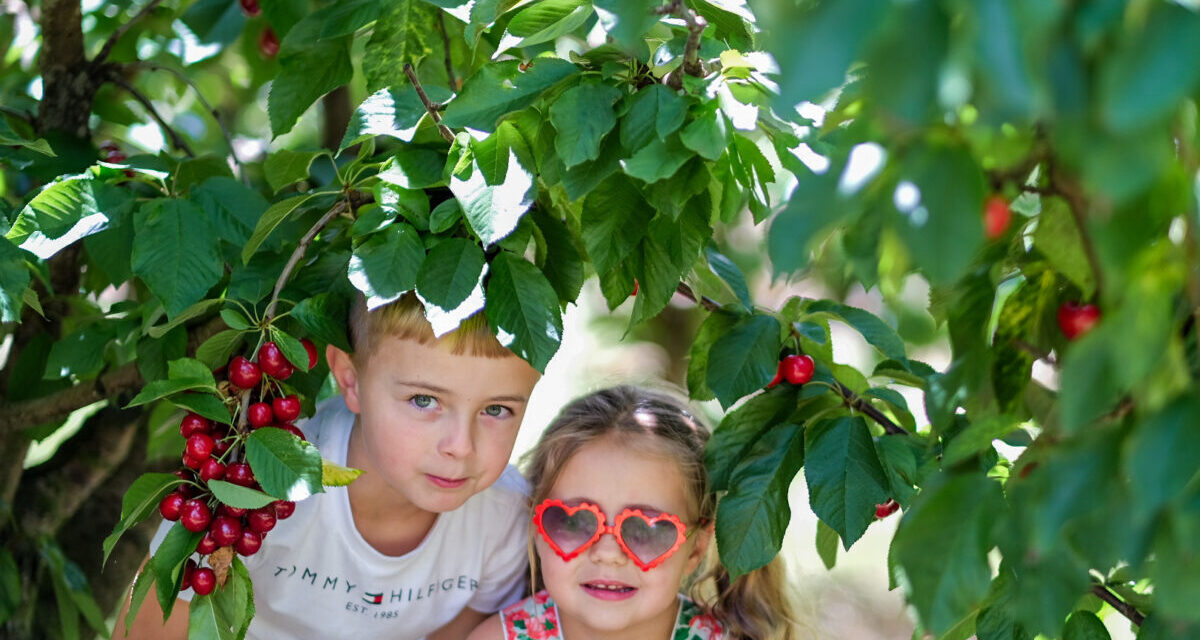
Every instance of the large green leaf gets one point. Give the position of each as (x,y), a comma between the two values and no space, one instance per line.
(667,253)
(287,467)
(582,115)
(499,187)
(325,316)
(544,21)
(238,496)
(753,517)
(501,87)
(401,36)
(14,279)
(717,324)
(615,217)
(744,359)
(522,309)
(386,265)
(392,111)
(233,210)
(167,564)
(817,43)
(875,331)
(67,210)
(1149,76)
(845,479)
(414,168)
(655,111)
(285,167)
(741,428)
(451,271)
(1163,455)
(626,20)
(317,69)
(1084,625)
(657,160)
(271,219)
(563,264)
(140,500)
(941,548)
(175,252)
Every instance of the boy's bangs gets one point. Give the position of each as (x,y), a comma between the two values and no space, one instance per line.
(405,319)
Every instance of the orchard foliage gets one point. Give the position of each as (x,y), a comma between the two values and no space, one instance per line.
(1026,160)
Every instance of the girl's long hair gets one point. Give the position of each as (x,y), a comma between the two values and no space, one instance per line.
(754,606)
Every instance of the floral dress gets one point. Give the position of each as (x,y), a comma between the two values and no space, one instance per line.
(536,618)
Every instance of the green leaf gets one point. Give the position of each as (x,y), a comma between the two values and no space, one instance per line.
(1163,454)
(626,20)
(412,204)
(563,257)
(941,548)
(64,211)
(742,427)
(731,274)
(414,168)
(235,320)
(238,496)
(14,280)
(217,350)
(753,517)
(1084,625)
(287,467)
(204,404)
(291,347)
(272,218)
(978,436)
(707,135)
(875,331)
(544,21)
(845,479)
(156,389)
(655,111)
(827,544)
(667,254)
(204,622)
(401,36)
(499,186)
(284,168)
(305,76)
(522,309)
(224,614)
(744,359)
(325,316)
(717,324)
(79,354)
(386,265)
(167,564)
(392,111)
(1149,75)
(582,115)
(1060,241)
(818,43)
(657,160)
(615,217)
(451,271)
(10,137)
(445,216)
(501,87)
(140,500)
(233,210)
(10,586)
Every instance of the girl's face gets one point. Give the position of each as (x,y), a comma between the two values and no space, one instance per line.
(601,592)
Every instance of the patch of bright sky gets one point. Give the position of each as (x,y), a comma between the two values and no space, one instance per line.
(865,162)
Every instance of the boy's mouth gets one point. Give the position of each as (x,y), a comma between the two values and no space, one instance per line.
(608,590)
(446,483)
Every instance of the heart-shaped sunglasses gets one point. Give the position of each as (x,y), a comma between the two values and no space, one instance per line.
(570,530)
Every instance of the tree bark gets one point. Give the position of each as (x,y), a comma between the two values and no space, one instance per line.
(68,84)
(336,109)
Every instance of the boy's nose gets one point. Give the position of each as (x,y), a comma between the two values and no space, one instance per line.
(457,441)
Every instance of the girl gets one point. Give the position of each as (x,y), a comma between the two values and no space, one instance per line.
(622,515)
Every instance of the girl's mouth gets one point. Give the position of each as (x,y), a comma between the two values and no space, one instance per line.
(607,590)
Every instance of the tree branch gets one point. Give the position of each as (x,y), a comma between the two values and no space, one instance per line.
(429,106)
(452,80)
(696,24)
(1077,203)
(1124,608)
(176,140)
(121,30)
(704,301)
(298,253)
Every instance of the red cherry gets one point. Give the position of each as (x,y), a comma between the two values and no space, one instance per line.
(189,571)
(221,446)
(108,146)
(1075,319)
(259,414)
(184,474)
(225,530)
(192,462)
(249,543)
(250,7)
(239,473)
(292,429)
(286,408)
(212,469)
(797,369)
(635,288)
(170,505)
(243,373)
(268,43)
(233,512)
(204,580)
(312,352)
(193,424)
(284,509)
(886,509)
(273,362)
(199,446)
(195,515)
(262,520)
(206,545)
(996,217)
(778,375)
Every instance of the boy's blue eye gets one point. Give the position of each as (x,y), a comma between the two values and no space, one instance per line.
(423,401)
(497,410)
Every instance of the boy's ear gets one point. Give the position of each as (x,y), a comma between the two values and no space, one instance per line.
(341,364)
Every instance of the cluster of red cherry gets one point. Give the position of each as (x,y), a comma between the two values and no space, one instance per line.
(210,452)
(268,42)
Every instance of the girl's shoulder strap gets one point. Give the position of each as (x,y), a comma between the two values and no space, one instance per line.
(694,623)
(534,618)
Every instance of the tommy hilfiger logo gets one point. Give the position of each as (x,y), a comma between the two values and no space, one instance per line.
(373,598)
(400,593)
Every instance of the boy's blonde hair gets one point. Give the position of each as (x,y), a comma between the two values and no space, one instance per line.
(405,319)
(753,607)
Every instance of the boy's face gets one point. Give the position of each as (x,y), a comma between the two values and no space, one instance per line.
(437,428)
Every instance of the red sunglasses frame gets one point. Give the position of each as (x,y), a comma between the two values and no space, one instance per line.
(615,529)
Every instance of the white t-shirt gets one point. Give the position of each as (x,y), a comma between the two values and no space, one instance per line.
(315,576)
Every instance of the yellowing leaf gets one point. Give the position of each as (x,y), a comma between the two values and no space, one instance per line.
(335,475)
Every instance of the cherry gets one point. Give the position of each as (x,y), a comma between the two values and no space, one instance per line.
(225,530)
(170,505)
(886,509)
(204,580)
(185,475)
(108,146)
(1077,319)
(220,446)
(193,424)
(259,414)
(292,429)
(284,509)
(268,43)
(273,362)
(199,446)
(797,369)
(635,288)
(286,408)
(212,469)
(239,473)
(233,512)
(189,571)
(312,352)
(250,7)
(778,375)
(115,157)
(249,543)
(996,217)
(192,462)
(261,520)
(194,515)
(206,545)
(243,373)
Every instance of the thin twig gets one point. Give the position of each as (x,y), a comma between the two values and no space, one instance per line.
(1122,607)
(1021,345)
(429,106)
(1077,203)
(298,253)
(704,301)
(121,30)
(207,107)
(177,141)
(696,24)
(452,80)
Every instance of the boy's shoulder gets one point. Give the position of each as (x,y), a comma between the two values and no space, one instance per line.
(511,487)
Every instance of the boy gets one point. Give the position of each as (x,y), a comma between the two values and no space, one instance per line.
(430,539)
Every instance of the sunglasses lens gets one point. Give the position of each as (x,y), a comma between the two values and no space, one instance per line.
(648,541)
(569,532)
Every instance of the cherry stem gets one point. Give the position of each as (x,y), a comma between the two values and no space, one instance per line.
(429,106)
(708,303)
(177,140)
(1122,607)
